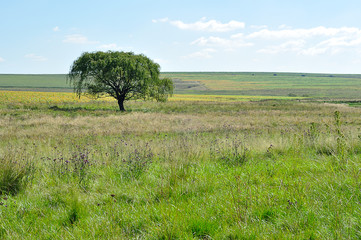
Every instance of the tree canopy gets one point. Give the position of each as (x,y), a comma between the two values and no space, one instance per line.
(122,75)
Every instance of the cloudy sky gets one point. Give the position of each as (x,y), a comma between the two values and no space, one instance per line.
(46,36)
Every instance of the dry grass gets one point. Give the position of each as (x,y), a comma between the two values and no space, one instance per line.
(252,118)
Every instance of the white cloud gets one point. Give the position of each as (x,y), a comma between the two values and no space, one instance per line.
(111,46)
(2,60)
(290,46)
(35,58)
(300,47)
(204,25)
(78,39)
(344,41)
(235,41)
(303,33)
(283,40)
(313,51)
(284,26)
(204,53)
(310,42)
(258,26)
(238,36)
(162,20)
(211,41)
(56,29)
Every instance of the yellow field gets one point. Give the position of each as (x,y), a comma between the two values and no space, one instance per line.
(25,97)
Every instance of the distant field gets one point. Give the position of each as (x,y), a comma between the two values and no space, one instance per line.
(213,83)
(274,84)
(35,82)
(30,98)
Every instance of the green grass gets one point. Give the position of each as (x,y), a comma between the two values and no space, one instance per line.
(275,169)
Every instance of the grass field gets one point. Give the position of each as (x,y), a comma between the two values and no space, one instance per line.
(247,84)
(180,170)
(199,166)
(275,84)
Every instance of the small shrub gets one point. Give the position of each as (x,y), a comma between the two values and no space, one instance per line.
(15,173)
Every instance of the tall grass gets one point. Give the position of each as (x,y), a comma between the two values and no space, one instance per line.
(16,172)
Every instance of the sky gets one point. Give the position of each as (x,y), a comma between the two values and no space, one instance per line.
(46,36)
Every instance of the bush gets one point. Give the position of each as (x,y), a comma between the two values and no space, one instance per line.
(15,173)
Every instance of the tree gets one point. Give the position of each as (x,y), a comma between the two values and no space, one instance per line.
(122,75)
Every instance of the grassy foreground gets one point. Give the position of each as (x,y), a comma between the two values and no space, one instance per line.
(276,169)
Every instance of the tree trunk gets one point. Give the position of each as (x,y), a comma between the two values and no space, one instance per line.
(121,104)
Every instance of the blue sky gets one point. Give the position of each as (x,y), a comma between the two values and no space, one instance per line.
(44,36)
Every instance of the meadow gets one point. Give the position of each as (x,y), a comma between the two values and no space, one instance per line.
(309,85)
(199,166)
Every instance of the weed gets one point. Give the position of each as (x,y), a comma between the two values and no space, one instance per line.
(312,135)
(74,167)
(242,200)
(232,151)
(341,148)
(137,162)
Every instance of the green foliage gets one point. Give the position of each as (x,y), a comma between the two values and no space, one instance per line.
(122,75)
